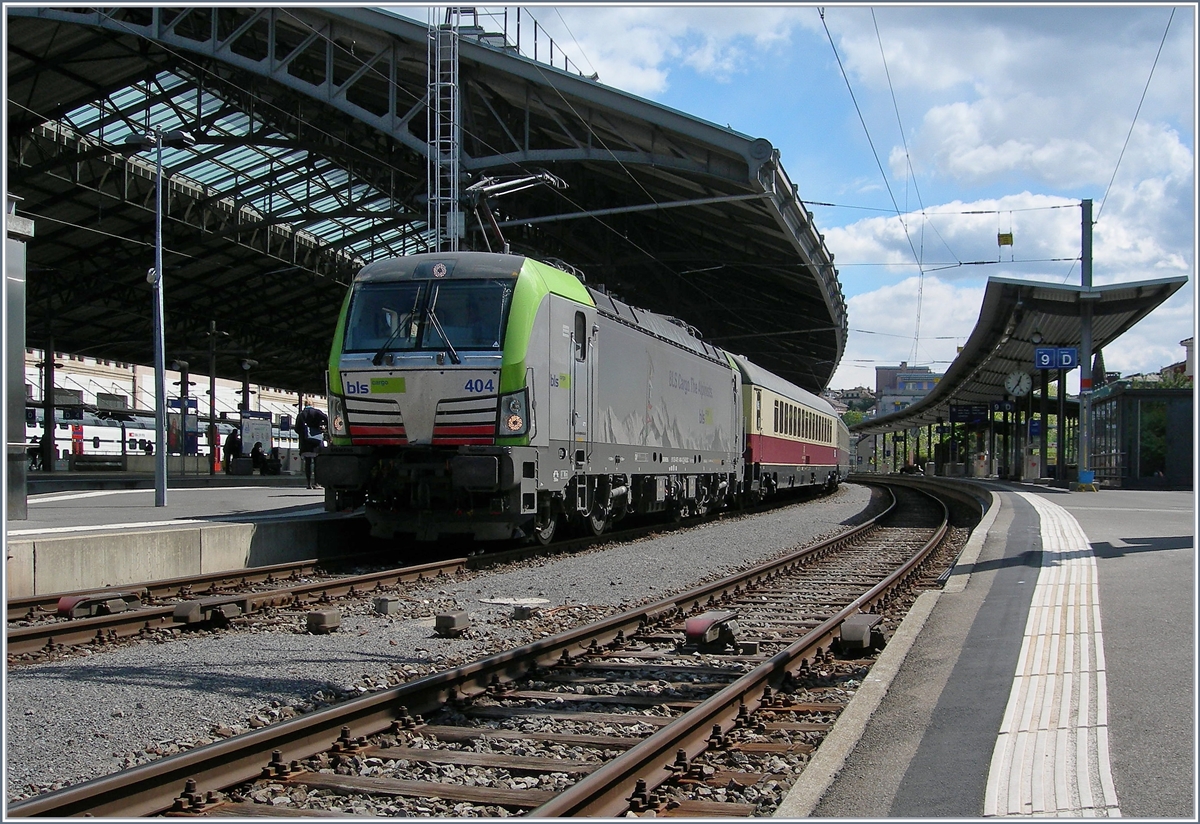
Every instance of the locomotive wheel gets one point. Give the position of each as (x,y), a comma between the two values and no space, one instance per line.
(545,534)
(596,522)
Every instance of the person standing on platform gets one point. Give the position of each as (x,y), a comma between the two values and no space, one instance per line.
(311,424)
(233,449)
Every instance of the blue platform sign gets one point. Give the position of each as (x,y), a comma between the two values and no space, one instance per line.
(968,413)
(1004,406)
(1047,357)
(1035,427)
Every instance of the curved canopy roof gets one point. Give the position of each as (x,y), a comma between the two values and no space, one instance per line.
(1013,312)
(309,160)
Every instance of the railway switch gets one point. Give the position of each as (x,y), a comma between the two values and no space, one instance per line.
(715,628)
(99,603)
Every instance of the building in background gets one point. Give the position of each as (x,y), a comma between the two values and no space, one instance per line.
(897,387)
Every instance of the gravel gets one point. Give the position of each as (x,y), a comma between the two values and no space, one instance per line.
(92,715)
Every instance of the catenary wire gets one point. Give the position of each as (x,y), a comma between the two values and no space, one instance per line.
(1157,55)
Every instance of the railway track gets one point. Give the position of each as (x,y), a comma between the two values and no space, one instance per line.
(704,704)
(42,625)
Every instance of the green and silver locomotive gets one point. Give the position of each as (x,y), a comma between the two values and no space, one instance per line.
(500,397)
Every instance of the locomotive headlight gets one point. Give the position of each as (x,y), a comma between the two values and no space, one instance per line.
(337,416)
(514,417)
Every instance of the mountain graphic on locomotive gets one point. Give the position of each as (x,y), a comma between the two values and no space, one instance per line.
(500,397)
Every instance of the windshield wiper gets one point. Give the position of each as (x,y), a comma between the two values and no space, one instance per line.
(378,359)
(412,313)
(454,358)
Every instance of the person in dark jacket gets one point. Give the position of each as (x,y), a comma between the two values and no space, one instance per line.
(233,449)
(259,458)
(311,424)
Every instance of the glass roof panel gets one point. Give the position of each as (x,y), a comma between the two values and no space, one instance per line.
(258,176)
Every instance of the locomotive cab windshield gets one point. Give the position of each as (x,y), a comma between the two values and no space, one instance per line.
(413,315)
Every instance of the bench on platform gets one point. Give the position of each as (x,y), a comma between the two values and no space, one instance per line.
(91,463)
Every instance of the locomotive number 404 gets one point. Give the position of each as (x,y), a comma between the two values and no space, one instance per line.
(480,385)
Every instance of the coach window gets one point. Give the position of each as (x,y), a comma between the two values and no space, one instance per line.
(580,336)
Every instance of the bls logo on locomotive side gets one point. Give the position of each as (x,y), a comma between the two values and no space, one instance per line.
(357,388)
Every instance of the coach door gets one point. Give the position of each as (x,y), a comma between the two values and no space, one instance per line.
(582,365)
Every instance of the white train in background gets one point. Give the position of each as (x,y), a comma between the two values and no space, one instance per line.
(92,434)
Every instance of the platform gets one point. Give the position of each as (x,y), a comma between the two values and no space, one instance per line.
(89,537)
(1054,675)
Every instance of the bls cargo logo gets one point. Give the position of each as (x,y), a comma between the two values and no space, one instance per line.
(375,386)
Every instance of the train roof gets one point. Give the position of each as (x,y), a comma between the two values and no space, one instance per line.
(455,265)
(662,327)
(755,374)
(490,264)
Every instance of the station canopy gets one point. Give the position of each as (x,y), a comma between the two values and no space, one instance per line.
(308,159)
(1017,318)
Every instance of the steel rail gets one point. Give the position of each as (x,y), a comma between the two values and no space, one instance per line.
(152,788)
(167,587)
(606,791)
(131,623)
(103,628)
(24,607)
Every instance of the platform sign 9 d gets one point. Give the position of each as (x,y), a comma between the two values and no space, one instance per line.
(1050,358)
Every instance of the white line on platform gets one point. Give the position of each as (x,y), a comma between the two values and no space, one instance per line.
(1061,665)
(53,497)
(155,524)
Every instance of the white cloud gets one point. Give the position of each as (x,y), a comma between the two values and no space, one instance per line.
(634,48)
(883,325)
(960,235)
(1047,94)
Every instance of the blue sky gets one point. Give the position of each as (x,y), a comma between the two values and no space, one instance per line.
(1018,111)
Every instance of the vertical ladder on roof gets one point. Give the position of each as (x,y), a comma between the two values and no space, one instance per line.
(444,134)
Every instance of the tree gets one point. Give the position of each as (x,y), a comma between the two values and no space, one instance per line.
(852,416)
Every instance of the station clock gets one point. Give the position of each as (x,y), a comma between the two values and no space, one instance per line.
(1018,384)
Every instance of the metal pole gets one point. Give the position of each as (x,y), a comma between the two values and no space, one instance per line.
(184,395)
(160,379)
(1044,433)
(991,470)
(1085,345)
(49,450)
(1061,458)
(212,397)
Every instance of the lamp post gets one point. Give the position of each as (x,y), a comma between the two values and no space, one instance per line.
(213,335)
(247,365)
(181,366)
(155,138)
